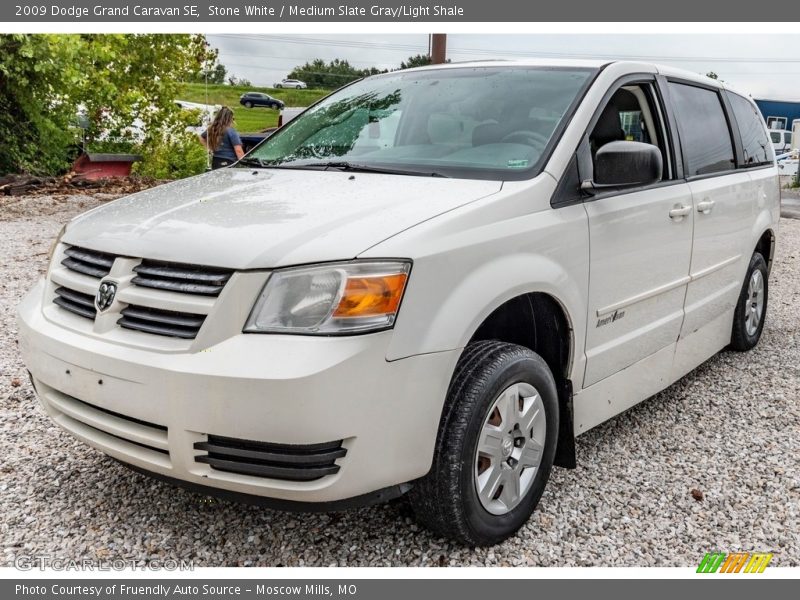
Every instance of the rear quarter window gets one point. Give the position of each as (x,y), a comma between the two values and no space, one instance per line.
(755,143)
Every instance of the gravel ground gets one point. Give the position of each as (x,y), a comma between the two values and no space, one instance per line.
(709,464)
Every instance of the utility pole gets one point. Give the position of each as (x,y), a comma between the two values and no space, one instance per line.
(438,43)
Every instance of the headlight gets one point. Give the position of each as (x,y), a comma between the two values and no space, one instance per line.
(331,299)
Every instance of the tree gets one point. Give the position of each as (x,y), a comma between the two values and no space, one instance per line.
(418,60)
(240,81)
(333,74)
(34,115)
(214,74)
(115,81)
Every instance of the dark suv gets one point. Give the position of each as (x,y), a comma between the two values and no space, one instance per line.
(251,99)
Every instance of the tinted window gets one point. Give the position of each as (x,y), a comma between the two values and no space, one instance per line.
(705,137)
(776,136)
(755,144)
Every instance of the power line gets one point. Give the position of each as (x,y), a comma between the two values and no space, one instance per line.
(310,41)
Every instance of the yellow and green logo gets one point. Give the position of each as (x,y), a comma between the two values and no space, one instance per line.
(737,562)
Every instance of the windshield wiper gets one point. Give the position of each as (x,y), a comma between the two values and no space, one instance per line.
(348,166)
(251,161)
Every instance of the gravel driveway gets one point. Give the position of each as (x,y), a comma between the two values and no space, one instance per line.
(709,464)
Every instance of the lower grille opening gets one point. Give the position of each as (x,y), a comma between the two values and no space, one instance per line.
(161,322)
(107,426)
(75,302)
(289,462)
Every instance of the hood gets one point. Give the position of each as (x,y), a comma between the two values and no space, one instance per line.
(264,218)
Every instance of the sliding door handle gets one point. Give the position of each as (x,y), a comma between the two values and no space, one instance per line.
(705,206)
(680,211)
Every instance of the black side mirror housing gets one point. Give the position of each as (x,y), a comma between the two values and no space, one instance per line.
(627,164)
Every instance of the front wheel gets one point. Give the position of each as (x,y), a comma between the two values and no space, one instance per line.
(751,309)
(495,448)
(248,105)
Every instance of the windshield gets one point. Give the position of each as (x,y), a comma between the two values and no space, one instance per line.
(485,122)
(776,137)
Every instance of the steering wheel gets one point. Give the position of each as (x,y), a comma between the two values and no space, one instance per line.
(526,137)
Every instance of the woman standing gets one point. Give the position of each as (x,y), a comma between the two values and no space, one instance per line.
(222,140)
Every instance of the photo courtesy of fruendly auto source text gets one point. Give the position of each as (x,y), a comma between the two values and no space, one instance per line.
(381,300)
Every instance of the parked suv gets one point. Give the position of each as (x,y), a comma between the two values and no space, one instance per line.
(251,99)
(396,293)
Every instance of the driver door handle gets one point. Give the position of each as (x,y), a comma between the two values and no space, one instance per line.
(680,211)
(705,206)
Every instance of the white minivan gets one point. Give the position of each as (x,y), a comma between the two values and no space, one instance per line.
(428,283)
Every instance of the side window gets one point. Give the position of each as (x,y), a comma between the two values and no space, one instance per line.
(632,114)
(705,137)
(755,144)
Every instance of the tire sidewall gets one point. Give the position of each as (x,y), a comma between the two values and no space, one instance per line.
(484,526)
(757,262)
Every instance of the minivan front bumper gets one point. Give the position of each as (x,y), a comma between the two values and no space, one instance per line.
(153,409)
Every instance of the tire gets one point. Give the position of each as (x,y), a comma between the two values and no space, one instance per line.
(751,309)
(278,86)
(299,87)
(446,500)
(248,105)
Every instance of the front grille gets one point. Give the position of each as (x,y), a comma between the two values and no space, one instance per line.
(277,461)
(89,262)
(75,302)
(176,277)
(161,322)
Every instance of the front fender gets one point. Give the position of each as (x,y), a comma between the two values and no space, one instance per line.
(467,265)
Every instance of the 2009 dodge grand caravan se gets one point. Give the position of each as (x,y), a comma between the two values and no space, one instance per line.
(429,282)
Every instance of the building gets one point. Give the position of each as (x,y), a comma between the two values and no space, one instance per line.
(779,114)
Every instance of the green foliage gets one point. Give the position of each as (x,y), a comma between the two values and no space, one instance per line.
(418,60)
(174,158)
(216,74)
(330,75)
(36,117)
(115,80)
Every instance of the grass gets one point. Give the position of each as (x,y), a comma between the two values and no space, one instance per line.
(248,119)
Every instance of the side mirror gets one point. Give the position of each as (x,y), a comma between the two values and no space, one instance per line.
(625,164)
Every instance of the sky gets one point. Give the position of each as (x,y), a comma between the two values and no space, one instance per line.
(758,65)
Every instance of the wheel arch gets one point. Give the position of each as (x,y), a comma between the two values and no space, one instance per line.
(540,322)
(766,246)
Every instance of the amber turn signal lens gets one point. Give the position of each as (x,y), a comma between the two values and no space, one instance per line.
(372,295)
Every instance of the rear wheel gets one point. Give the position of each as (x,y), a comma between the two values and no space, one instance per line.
(495,447)
(751,310)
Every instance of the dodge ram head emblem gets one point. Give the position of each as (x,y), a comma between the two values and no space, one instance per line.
(105,295)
